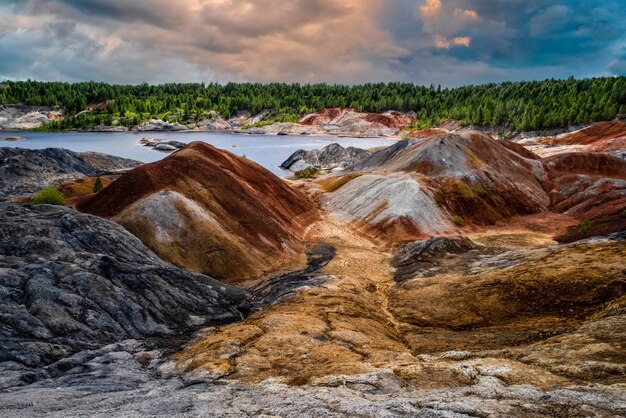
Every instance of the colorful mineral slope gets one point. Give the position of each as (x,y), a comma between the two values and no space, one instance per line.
(210,211)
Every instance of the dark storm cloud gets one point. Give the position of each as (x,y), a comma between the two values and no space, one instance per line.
(450,42)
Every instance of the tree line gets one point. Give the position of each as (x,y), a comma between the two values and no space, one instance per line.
(520,106)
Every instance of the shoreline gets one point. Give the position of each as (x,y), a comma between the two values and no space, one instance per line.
(216,131)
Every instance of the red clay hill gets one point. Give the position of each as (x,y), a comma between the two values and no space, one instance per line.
(338,116)
(421,187)
(433,184)
(210,211)
(603,136)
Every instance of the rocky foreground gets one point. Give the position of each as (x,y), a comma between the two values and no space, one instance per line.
(24,171)
(448,275)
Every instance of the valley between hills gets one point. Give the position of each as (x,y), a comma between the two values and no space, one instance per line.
(452,274)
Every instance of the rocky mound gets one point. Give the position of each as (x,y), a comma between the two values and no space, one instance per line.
(24,171)
(18,117)
(245,220)
(517,297)
(590,187)
(159,125)
(330,157)
(425,258)
(603,136)
(162,144)
(72,282)
(345,121)
(419,187)
(340,116)
(608,137)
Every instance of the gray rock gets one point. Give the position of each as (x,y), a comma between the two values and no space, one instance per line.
(330,157)
(161,144)
(159,125)
(19,117)
(108,128)
(72,282)
(165,147)
(428,256)
(24,171)
(348,396)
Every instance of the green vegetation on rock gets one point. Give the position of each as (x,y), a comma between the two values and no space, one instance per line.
(520,106)
(307,173)
(48,196)
(98,186)
(458,220)
(585,225)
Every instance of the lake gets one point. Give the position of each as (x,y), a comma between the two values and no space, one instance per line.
(267,150)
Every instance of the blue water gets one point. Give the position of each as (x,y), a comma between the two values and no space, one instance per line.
(267,150)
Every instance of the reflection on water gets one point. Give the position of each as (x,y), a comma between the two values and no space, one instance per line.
(269,151)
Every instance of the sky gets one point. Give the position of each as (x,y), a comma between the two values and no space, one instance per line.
(447,42)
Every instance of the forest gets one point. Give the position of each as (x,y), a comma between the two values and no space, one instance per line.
(519,106)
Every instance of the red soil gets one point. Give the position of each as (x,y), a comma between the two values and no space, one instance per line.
(593,164)
(425,133)
(394,120)
(324,116)
(244,198)
(589,187)
(603,136)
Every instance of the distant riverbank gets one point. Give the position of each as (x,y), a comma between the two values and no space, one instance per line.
(268,151)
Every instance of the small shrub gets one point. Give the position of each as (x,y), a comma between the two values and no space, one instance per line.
(584,226)
(98,186)
(458,220)
(307,173)
(48,196)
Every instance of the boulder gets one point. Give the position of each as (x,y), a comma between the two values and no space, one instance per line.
(422,257)
(330,157)
(165,147)
(159,125)
(161,144)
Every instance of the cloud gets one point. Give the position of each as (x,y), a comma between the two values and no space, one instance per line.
(431,8)
(443,43)
(336,41)
(553,19)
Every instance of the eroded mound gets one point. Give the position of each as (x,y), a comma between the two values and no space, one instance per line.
(330,157)
(73,282)
(603,136)
(423,186)
(590,187)
(512,298)
(210,211)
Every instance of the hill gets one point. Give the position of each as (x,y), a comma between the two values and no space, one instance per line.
(210,211)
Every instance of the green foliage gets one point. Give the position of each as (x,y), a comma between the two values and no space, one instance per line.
(585,225)
(278,119)
(98,186)
(458,220)
(48,196)
(307,173)
(519,106)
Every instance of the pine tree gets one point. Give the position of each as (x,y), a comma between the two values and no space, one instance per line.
(98,186)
